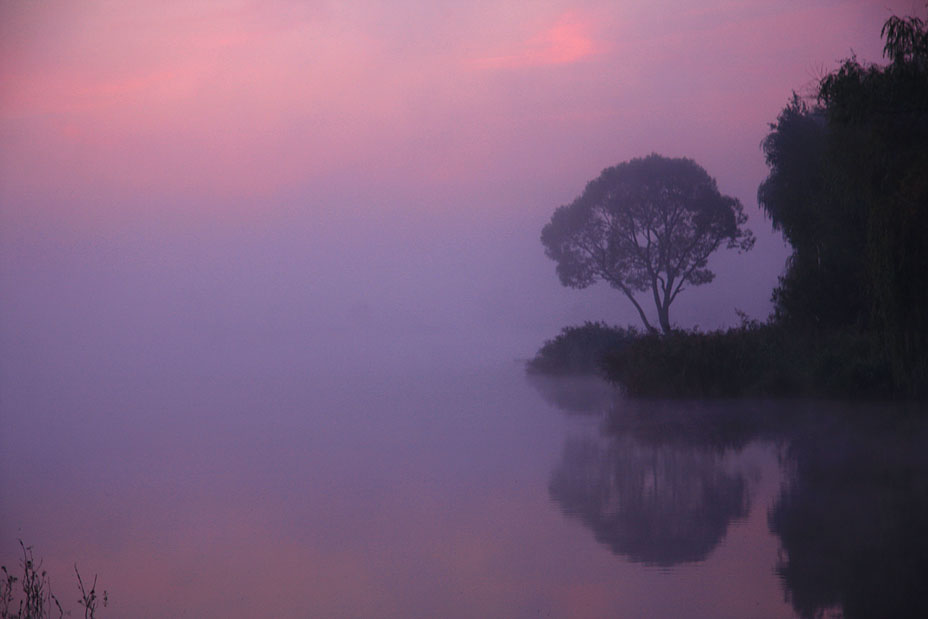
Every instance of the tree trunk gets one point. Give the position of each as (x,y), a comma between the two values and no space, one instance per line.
(663,315)
(631,297)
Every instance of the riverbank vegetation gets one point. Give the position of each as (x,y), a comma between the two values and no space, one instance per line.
(581,350)
(848,188)
(30,596)
(754,360)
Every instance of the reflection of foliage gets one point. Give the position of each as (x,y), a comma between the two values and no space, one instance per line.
(698,424)
(574,394)
(853,519)
(655,505)
(654,488)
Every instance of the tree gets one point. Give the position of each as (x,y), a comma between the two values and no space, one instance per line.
(822,283)
(649,223)
(883,113)
(848,186)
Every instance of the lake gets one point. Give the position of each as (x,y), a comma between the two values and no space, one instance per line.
(457,490)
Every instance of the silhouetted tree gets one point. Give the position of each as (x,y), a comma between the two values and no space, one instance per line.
(883,111)
(848,186)
(822,282)
(647,224)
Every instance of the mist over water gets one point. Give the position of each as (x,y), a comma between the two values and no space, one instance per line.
(262,420)
(268,276)
(356,287)
(249,483)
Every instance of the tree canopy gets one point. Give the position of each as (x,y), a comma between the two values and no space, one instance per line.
(646,224)
(848,186)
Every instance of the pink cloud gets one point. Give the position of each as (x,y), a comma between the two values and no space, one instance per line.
(215,104)
(567,41)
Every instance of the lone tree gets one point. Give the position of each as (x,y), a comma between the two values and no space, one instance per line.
(649,223)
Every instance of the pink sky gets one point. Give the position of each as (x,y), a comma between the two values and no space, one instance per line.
(434,115)
(232,99)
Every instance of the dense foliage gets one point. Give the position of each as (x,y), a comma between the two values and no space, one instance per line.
(579,350)
(822,284)
(848,186)
(752,360)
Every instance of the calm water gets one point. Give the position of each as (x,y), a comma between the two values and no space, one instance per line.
(463,491)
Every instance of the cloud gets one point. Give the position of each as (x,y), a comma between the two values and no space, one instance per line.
(567,41)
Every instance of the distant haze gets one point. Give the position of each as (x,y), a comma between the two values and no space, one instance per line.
(365,182)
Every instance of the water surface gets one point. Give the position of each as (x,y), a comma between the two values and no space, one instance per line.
(456,490)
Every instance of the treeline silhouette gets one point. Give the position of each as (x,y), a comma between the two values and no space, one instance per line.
(848,188)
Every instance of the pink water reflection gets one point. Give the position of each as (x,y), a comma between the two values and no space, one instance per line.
(423,498)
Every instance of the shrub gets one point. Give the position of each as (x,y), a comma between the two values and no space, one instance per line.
(580,350)
(751,360)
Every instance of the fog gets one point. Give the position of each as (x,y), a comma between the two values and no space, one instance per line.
(268,272)
(375,289)
(169,192)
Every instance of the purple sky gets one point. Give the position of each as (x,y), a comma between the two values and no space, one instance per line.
(266,168)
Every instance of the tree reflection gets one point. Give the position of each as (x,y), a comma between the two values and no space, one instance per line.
(852,517)
(716,426)
(588,395)
(656,485)
(659,505)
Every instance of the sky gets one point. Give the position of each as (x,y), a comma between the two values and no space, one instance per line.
(236,175)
